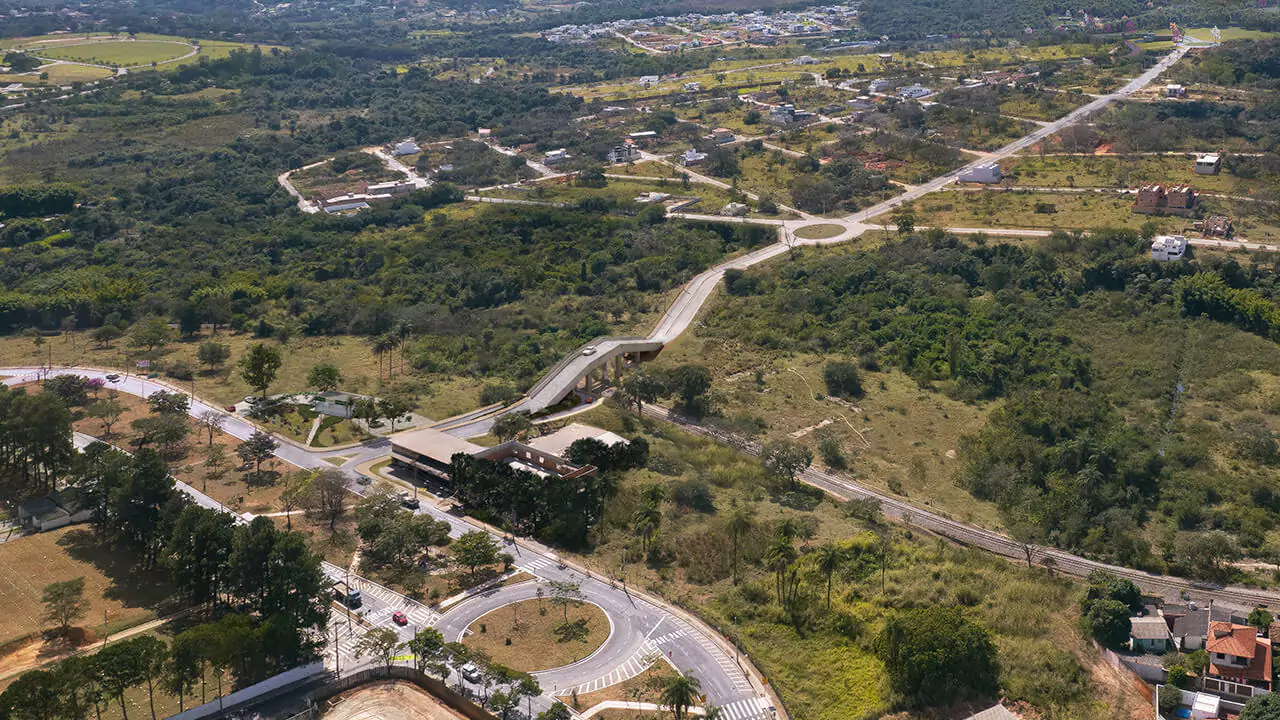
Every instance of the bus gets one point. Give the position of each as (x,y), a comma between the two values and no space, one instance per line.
(346,595)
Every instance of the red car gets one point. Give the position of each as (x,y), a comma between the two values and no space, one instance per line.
(231,408)
(399,618)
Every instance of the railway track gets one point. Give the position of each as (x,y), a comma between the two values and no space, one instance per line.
(843,488)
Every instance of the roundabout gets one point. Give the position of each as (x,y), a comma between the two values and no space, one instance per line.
(539,635)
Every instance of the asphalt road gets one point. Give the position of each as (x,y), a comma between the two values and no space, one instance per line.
(634,618)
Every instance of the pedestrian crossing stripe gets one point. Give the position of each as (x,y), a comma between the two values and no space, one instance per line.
(669,637)
(639,661)
(728,664)
(532,566)
(748,709)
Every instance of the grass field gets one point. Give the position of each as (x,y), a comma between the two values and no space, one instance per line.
(622,191)
(965,209)
(123,52)
(818,232)
(112,582)
(532,626)
(438,396)
(1124,171)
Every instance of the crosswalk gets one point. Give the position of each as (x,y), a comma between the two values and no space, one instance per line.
(532,567)
(639,661)
(727,664)
(345,634)
(418,614)
(750,709)
(663,639)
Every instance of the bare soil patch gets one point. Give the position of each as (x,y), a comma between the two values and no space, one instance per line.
(532,635)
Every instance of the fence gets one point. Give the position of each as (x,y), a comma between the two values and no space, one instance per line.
(1126,671)
(1228,687)
(277,683)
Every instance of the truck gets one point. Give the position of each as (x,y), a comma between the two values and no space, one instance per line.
(347,595)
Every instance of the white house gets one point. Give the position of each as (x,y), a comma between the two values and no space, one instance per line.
(1174,91)
(692,86)
(692,157)
(913,92)
(734,209)
(879,85)
(406,147)
(648,80)
(334,403)
(1169,247)
(805,60)
(555,157)
(1208,164)
(987,173)
(722,135)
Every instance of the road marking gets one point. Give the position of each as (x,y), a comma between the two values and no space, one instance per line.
(748,709)
(535,565)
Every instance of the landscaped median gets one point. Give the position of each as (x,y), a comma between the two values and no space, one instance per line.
(535,635)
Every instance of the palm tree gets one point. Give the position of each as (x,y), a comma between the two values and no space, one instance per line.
(654,495)
(647,519)
(740,522)
(382,345)
(780,555)
(828,558)
(679,693)
(401,331)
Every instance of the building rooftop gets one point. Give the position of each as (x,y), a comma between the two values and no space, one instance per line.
(438,446)
(1238,640)
(1148,628)
(558,442)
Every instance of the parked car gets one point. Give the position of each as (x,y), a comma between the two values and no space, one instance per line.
(230,408)
(250,399)
(399,618)
(470,672)
(409,501)
(113,377)
(364,480)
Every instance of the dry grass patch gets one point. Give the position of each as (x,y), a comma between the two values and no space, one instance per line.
(531,635)
(113,583)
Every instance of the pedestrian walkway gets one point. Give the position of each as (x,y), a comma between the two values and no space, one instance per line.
(535,565)
(749,709)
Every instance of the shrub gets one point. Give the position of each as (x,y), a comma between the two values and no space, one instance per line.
(842,379)
(694,494)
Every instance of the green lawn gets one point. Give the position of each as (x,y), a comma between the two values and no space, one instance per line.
(123,52)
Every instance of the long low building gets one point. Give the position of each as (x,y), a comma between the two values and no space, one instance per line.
(431,451)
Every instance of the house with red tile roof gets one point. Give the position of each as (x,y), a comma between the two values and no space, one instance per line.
(1237,653)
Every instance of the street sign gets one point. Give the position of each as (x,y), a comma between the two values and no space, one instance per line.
(144,363)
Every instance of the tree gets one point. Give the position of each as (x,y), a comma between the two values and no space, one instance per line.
(691,383)
(296,487)
(564,594)
(33,696)
(257,449)
(842,379)
(785,460)
(259,367)
(641,388)
(828,558)
(393,407)
(72,390)
(380,642)
(166,431)
(213,354)
(905,220)
(1262,707)
(108,411)
(150,333)
(429,653)
(64,603)
(1260,618)
(511,426)
(215,462)
(185,667)
(328,496)
(740,522)
(163,402)
(105,335)
(475,549)
(935,656)
(211,421)
(151,656)
(324,377)
(560,711)
(679,693)
(1108,622)
(123,666)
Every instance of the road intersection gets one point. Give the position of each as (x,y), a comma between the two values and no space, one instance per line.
(726,679)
